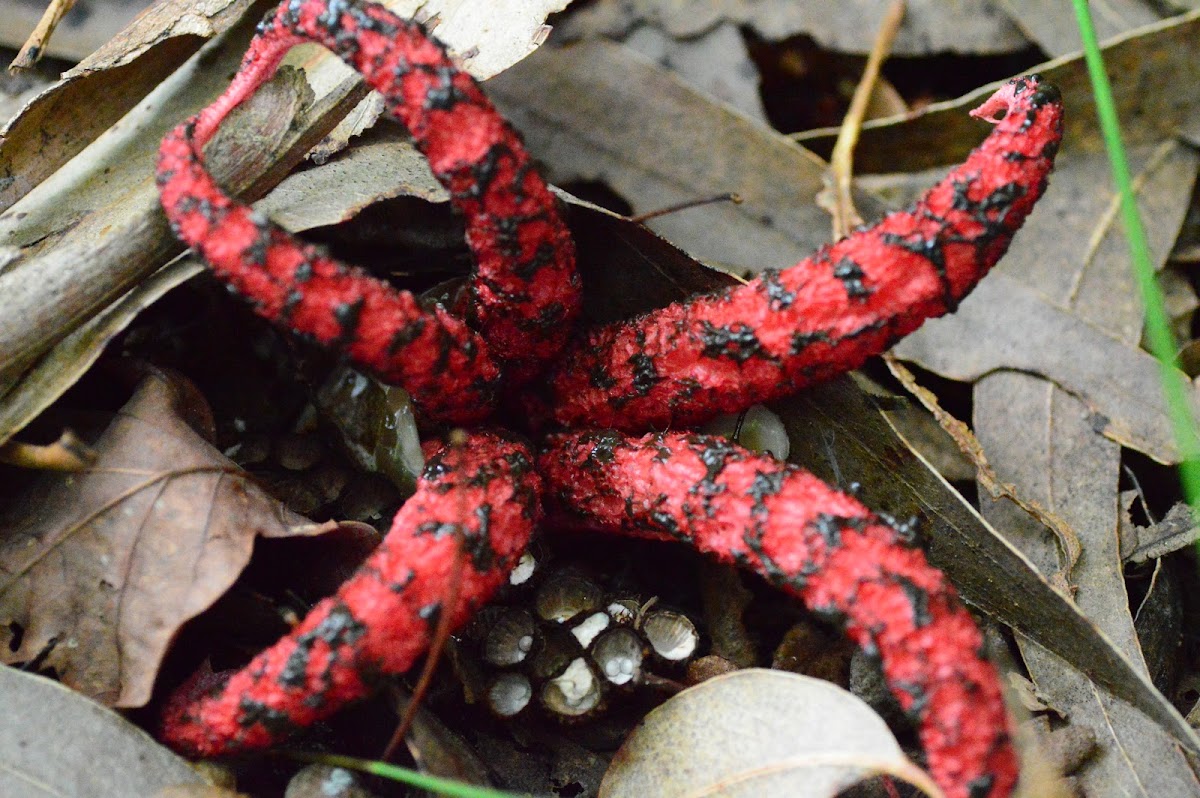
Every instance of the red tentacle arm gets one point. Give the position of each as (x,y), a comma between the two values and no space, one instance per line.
(476,503)
(786,329)
(824,547)
(446,367)
(525,291)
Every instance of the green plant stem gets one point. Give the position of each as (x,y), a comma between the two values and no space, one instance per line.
(1158,329)
(441,786)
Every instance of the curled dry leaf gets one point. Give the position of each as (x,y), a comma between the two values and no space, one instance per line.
(364,173)
(758,732)
(99,578)
(55,743)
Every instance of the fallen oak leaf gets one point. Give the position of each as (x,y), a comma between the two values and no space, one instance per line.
(96,583)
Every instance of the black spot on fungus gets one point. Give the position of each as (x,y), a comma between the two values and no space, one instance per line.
(736,342)
(919,600)
(851,276)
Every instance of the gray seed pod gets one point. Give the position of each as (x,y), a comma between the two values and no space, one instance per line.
(510,693)
(565,595)
(510,637)
(618,654)
(670,634)
(573,693)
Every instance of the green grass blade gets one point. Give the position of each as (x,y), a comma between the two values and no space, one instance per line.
(448,787)
(1158,329)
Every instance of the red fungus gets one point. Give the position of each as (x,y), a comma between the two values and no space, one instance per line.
(826,315)
(525,293)
(820,544)
(478,501)
(676,366)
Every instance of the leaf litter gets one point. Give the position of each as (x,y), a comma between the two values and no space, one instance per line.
(68,745)
(97,582)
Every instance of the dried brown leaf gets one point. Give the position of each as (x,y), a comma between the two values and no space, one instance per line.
(55,743)
(599,111)
(931,26)
(1151,106)
(99,569)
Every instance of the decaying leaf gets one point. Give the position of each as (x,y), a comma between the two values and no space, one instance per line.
(55,743)
(944,133)
(757,732)
(575,106)
(930,26)
(96,581)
